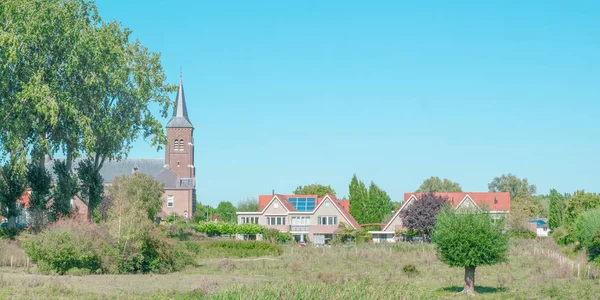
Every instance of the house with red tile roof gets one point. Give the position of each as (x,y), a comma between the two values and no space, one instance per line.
(306,217)
(496,204)
(79,208)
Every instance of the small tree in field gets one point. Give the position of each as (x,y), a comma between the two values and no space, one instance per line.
(469,239)
(420,215)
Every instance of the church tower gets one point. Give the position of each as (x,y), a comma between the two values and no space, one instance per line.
(179,154)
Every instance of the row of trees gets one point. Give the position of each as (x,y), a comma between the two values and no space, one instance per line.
(368,206)
(575,219)
(76,85)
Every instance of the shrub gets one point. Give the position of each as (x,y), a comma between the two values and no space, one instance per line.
(209,228)
(218,228)
(594,248)
(560,235)
(240,249)
(410,270)
(65,245)
(275,236)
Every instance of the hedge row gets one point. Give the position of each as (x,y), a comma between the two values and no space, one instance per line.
(217,228)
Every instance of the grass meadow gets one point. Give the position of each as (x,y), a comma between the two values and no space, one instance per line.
(367,272)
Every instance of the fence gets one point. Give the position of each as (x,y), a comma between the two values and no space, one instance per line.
(578,270)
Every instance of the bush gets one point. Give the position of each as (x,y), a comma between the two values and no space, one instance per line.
(594,248)
(88,248)
(66,244)
(219,228)
(410,270)
(239,249)
(560,235)
(275,236)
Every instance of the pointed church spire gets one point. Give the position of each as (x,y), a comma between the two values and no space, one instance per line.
(180,117)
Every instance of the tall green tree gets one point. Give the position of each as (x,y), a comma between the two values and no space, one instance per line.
(92,187)
(40,182)
(521,194)
(36,47)
(66,188)
(140,188)
(469,240)
(516,186)
(435,184)
(579,203)
(359,196)
(557,208)
(250,204)
(379,204)
(314,189)
(13,183)
(227,211)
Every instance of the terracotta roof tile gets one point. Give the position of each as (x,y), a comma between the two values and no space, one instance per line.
(495,201)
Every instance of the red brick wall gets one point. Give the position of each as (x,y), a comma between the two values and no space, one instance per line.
(180,160)
(182,200)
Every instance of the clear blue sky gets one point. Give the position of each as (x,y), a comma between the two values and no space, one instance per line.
(287,93)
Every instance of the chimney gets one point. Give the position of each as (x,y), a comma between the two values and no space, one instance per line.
(273,193)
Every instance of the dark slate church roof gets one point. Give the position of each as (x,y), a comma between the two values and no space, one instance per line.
(151,166)
(180,117)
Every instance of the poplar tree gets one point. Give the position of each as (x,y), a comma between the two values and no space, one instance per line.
(379,204)
(359,196)
(557,208)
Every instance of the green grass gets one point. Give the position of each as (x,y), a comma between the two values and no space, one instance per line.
(367,272)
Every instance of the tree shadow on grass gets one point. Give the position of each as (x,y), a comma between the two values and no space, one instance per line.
(478,289)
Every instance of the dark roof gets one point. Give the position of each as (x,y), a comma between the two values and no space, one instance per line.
(112,169)
(180,117)
(167,177)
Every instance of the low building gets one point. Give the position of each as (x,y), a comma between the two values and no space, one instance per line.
(539,226)
(306,217)
(496,204)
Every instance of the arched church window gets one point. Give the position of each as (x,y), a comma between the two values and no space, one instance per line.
(181,145)
(176,145)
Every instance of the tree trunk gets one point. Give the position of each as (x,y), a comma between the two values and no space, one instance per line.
(469,281)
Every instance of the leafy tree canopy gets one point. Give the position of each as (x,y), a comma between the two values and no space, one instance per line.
(250,204)
(557,208)
(420,215)
(359,196)
(578,203)
(469,240)
(13,183)
(227,211)
(435,184)
(521,194)
(314,189)
(379,204)
(518,188)
(142,190)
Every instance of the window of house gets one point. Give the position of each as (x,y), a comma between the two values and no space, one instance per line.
(170,201)
(327,220)
(276,205)
(275,220)
(245,220)
(300,220)
(327,204)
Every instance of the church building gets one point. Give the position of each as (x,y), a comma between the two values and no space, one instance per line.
(176,171)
